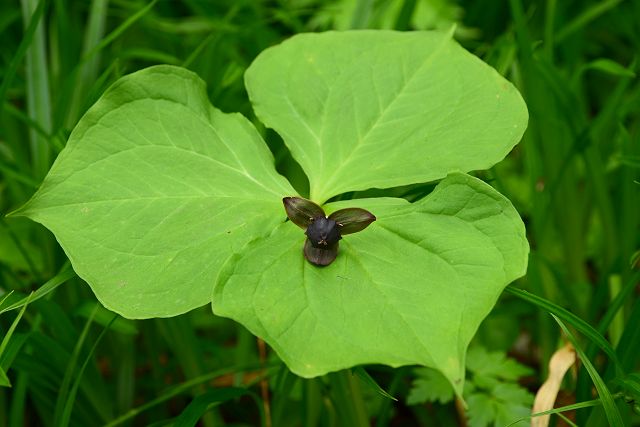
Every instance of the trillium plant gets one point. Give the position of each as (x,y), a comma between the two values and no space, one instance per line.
(164,203)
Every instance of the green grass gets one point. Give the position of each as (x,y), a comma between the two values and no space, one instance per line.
(574,179)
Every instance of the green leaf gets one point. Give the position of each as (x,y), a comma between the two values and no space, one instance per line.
(199,405)
(410,289)
(155,190)
(481,410)
(355,108)
(503,404)
(429,386)
(494,364)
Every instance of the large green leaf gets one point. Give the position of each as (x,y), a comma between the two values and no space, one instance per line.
(410,289)
(366,109)
(154,190)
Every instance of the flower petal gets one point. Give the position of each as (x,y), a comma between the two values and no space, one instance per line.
(320,256)
(352,220)
(302,211)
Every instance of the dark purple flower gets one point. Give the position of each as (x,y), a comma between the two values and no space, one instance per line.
(324,233)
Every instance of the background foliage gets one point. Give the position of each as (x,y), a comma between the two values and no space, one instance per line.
(574,179)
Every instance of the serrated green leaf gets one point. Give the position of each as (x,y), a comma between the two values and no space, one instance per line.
(410,289)
(483,363)
(429,386)
(481,411)
(503,404)
(155,190)
(357,107)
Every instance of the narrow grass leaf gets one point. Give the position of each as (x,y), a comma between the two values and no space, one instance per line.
(69,404)
(64,397)
(609,405)
(559,411)
(369,381)
(610,67)
(118,31)
(198,406)
(65,274)
(4,380)
(186,386)
(104,318)
(573,320)
(21,51)
(7,338)
(585,17)
(12,328)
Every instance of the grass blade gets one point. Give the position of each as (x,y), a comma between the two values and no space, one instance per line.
(65,274)
(609,405)
(585,17)
(21,51)
(64,394)
(4,380)
(368,380)
(572,319)
(68,406)
(198,406)
(558,411)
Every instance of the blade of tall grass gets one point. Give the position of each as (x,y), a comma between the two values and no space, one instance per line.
(69,86)
(38,96)
(558,411)
(70,400)
(27,39)
(585,17)
(66,273)
(185,387)
(360,372)
(628,347)
(386,407)
(21,116)
(23,251)
(614,306)
(312,397)
(4,379)
(89,69)
(60,417)
(573,320)
(403,20)
(611,410)
(347,399)
(201,404)
(7,337)
(113,35)
(361,14)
